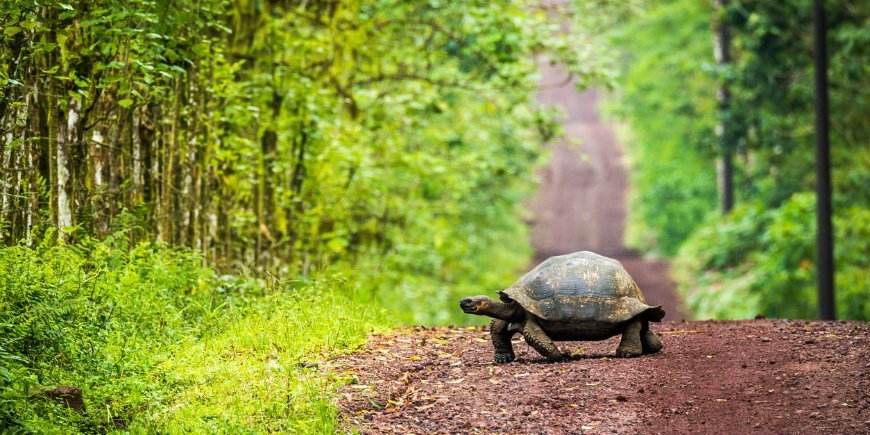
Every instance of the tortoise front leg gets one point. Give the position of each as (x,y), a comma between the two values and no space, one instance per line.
(538,339)
(630,345)
(501,341)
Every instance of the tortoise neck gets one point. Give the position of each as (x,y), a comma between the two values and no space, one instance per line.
(509,312)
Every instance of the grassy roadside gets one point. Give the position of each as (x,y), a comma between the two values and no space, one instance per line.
(159,343)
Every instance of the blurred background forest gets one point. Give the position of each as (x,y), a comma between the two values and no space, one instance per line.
(200,198)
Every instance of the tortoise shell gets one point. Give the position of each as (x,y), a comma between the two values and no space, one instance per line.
(581,287)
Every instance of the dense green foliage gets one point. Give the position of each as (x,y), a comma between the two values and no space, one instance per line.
(670,103)
(760,258)
(282,137)
(763,261)
(361,157)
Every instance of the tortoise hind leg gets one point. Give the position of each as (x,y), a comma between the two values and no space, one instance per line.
(630,346)
(648,340)
(538,339)
(501,341)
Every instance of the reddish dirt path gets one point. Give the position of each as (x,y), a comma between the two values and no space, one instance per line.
(755,376)
(581,202)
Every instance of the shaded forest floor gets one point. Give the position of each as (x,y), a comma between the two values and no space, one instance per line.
(759,376)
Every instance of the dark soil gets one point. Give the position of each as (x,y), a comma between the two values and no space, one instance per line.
(753,376)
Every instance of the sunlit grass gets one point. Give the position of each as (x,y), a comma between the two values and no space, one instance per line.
(158,343)
(264,372)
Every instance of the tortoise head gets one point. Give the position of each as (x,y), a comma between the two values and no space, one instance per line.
(479,305)
(505,308)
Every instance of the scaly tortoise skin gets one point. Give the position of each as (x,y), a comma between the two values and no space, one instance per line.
(579,296)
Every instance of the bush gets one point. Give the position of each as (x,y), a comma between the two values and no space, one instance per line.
(763,261)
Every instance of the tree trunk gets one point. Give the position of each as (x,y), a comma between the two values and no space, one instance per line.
(5,176)
(66,137)
(722,54)
(136,143)
(824,227)
(98,199)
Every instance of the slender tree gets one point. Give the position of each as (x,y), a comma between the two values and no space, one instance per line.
(722,54)
(824,227)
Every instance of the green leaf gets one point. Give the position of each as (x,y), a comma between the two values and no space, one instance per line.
(66,6)
(11,31)
(125,103)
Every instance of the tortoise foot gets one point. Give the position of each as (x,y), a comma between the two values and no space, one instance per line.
(651,343)
(628,352)
(558,356)
(503,358)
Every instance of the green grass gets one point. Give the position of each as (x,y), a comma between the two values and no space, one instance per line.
(159,343)
(252,376)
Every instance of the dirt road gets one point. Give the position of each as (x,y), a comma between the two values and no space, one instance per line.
(736,377)
(581,202)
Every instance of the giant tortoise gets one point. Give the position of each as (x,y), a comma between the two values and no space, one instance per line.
(579,296)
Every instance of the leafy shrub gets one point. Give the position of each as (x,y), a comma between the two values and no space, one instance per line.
(763,261)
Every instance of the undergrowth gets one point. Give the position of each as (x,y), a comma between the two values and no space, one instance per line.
(761,261)
(159,343)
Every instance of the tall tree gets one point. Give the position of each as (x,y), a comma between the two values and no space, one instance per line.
(824,227)
(722,55)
